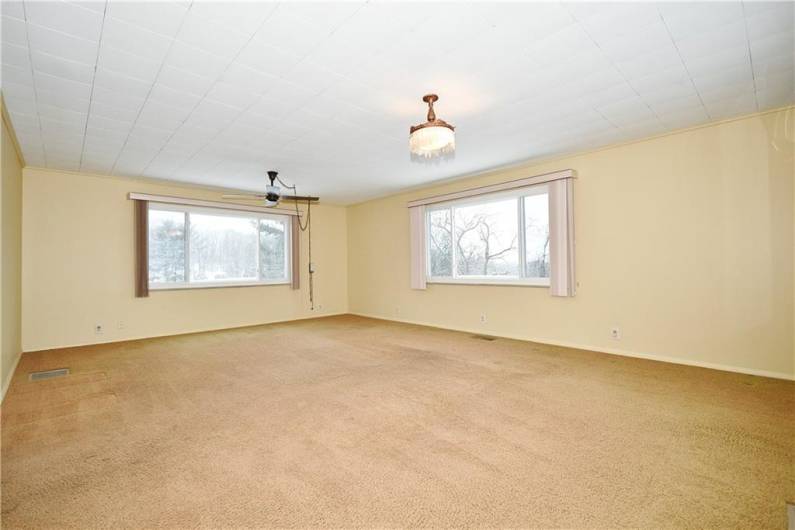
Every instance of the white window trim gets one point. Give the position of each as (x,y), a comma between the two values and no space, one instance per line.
(521,281)
(248,214)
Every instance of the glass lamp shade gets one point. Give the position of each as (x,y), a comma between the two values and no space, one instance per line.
(432,141)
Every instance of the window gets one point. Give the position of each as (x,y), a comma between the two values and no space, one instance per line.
(497,238)
(207,247)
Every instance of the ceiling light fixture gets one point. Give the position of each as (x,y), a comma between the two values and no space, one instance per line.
(434,139)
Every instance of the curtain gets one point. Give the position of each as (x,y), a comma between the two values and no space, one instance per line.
(295,253)
(417,236)
(141,248)
(561,235)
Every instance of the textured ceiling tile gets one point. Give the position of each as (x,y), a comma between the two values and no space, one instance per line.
(240,17)
(727,76)
(65,17)
(713,41)
(173,98)
(212,38)
(13,30)
(62,45)
(121,84)
(163,18)
(12,8)
(17,75)
(716,62)
(252,80)
(63,86)
(645,64)
(61,114)
(267,59)
(292,34)
(61,100)
(773,45)
(194,60)
(157,115)
(249,86)
(127,64)
(236,96)
(135,40)
(112,112)
(184,81)
(60,67)
(774,98)
(101,122)
(778,20)
(685,19)
(16,55)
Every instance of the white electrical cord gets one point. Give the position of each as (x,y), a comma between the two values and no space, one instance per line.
(306,226)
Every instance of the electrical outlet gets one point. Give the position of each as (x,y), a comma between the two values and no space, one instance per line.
(615,333)
(120,324)
(397,311)
(483,318)
(99,329)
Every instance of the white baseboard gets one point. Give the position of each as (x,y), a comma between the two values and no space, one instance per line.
(188,332)
(601,349)
(9,377)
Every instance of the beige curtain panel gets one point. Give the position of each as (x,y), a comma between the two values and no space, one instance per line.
(561,237)
(417,227)
(141,248)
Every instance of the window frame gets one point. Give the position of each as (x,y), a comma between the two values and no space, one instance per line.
(517,194)
(206,210)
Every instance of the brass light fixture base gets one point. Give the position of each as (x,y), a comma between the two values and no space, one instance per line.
(430,99)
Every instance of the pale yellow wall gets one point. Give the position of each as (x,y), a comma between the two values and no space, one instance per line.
(11,263)
(78,255)
(684,241)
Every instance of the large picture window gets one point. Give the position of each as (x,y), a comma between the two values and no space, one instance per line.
(497,238)
(207,247)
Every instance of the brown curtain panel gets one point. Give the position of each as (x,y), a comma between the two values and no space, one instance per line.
(295,254)
(141,248)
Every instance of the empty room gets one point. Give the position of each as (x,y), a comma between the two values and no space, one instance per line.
(397,264)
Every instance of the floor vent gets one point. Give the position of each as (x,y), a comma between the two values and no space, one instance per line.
(484,337)
(48,374)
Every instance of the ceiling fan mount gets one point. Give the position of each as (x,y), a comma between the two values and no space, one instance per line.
(273,195)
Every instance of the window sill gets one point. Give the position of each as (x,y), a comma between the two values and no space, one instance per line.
(212,285)
(512,282)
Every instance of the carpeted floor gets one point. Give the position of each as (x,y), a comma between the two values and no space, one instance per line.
(353,422)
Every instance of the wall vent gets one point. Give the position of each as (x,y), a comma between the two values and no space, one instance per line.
(48,374)
(484,337)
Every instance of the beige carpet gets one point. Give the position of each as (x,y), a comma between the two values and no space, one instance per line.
(352,422)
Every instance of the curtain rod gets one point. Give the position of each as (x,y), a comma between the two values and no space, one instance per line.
(491,188)
(168,199)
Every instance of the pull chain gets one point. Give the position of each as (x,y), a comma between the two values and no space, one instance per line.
(304,228)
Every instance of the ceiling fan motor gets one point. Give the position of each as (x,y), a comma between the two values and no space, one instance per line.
(272,194)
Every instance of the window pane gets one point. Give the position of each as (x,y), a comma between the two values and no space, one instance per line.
(440,248)
(222,248)
(536,220)
(166,247)
(487,239)
(272,237)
